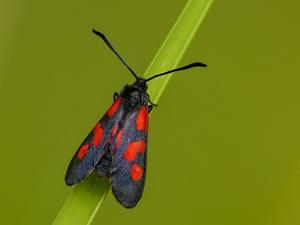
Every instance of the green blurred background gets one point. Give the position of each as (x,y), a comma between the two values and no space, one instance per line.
(224,141)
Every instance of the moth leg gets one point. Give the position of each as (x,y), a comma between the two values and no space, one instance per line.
(150,107)
(153,104)
(115,95)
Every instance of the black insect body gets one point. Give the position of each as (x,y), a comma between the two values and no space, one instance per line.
(117,146)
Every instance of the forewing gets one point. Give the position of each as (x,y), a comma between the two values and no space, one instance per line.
(95,145)
(128,168)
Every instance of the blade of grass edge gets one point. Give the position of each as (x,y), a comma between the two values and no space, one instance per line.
(175,44)
(86,198)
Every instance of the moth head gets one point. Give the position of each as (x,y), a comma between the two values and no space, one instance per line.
(141,84)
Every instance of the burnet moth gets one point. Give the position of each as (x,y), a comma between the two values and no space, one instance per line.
(117,146)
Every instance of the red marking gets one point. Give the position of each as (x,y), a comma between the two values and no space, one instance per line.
(136,172)
(119,138)
(146,121)
(142,146)
(142,119)
(114,130)
(98,132)
(132,149)
(111,111)
(82,151)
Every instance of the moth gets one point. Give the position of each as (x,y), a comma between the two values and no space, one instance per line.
(117,146)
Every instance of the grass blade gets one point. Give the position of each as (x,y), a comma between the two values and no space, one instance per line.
(83,202)
(86,197)
(175,44)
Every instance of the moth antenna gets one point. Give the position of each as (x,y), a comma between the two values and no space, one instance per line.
(102,36)
(196,64)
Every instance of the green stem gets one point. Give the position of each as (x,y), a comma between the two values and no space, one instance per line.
(83,202)
(175,44)
(86,198)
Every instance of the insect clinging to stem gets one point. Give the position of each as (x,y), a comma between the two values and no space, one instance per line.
(117,146)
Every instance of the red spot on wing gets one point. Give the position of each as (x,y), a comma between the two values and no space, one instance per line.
(114,130)
(82,151)
(132,149)
(142,119)
(146,120)
(142,146)
(114,107)
(136,172)
(98,133)
(119,138)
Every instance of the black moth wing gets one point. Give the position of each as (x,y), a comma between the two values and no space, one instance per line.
(95,145)
(129,156)
(102,169)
